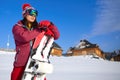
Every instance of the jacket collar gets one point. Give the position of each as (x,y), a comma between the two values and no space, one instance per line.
(19,23)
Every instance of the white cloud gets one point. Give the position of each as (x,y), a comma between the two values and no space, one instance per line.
(108,17)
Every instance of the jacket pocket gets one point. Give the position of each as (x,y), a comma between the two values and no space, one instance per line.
(17,54)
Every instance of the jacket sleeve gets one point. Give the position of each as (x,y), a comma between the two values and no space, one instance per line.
(23,35)
(48,24)
(55,31)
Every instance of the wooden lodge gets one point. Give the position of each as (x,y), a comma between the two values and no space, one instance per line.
(115,56)
(85,48)
(56,50)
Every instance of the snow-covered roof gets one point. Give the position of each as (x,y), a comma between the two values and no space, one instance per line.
(56,45)
(84,44)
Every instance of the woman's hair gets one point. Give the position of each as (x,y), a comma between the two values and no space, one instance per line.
(33,24)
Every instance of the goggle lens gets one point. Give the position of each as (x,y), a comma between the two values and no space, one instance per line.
(33,12)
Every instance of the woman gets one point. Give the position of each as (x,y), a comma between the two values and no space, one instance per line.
(24,32)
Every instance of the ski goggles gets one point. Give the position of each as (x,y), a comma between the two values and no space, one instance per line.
(32,12)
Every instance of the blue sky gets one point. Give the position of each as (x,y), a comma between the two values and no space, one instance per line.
(98,21)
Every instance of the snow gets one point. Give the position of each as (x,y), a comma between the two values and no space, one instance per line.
(69,68)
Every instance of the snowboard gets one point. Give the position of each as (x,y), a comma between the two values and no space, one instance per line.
(38,64)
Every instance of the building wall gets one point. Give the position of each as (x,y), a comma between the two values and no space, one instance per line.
(87,51)
(116,58)
(56,51)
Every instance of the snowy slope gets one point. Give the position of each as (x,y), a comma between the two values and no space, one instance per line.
(69,68)
(6,61)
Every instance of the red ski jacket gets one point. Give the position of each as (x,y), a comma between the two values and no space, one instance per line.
(23,37)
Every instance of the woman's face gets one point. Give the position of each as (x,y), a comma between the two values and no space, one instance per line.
(30,18)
